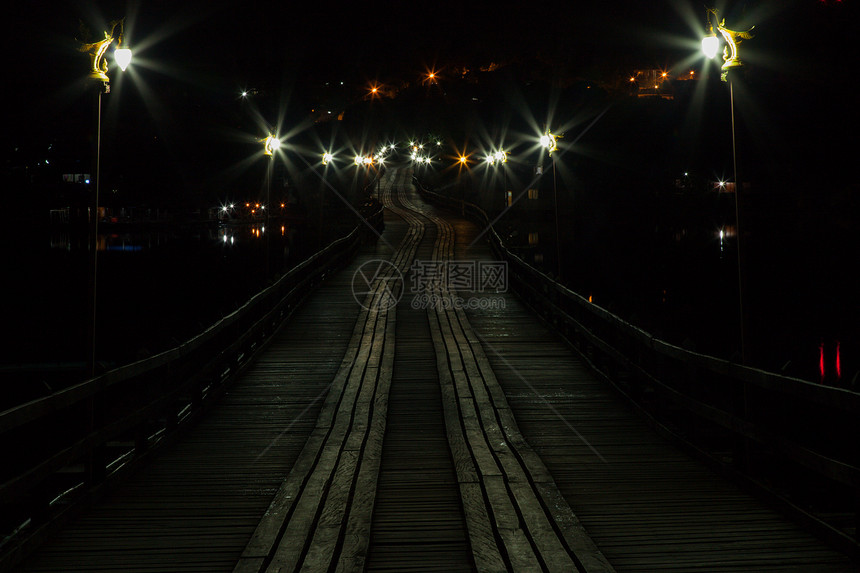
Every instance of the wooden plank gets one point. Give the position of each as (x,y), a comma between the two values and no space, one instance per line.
(519,515)
(488,556)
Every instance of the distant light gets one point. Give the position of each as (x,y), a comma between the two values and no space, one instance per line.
(838,362)
(327,158)
(548,141)
(271,144)
(821,368)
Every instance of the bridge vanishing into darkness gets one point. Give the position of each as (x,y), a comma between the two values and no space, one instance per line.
(426,403)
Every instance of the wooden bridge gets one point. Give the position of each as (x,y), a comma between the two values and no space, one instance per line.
(411,412)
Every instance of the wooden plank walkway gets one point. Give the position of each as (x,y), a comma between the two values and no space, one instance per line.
(197,505)
(517,519)
(418,522)
(401,437)
(646,504)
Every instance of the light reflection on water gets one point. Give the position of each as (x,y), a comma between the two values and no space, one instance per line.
(137,241)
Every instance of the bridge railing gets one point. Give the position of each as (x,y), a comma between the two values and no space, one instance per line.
(59,450)
(794,441)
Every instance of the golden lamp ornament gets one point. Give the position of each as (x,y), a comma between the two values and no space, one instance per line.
(98,50)
(733,38)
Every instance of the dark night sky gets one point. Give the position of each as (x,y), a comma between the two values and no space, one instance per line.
(192,58)
(232,39)
(209,50)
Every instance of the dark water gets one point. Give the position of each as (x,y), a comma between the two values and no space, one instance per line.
(675,278)
(154,288)
(678,278)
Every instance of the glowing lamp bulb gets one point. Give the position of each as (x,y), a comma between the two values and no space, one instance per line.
(271,144)
(710,45)
(122,57)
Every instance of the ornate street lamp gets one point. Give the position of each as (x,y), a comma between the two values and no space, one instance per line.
(711,44)
(98,71)
(548,142)
(271,144)
(731,61)
(500,157)
(98,52)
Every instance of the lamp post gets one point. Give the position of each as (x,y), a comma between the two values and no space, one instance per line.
(463,161)
(500,157)
(270,145)
(731,61)
(327,159)
(548,142)
(98,72)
